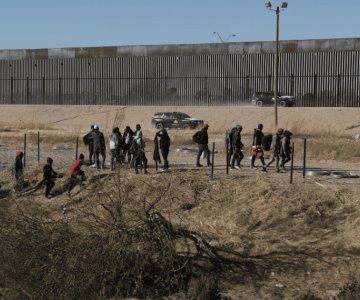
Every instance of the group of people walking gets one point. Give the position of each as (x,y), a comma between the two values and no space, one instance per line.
(129,148)
(279,147)
(278,144)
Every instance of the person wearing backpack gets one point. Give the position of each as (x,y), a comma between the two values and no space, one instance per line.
(236,147)
(257,148)
(285,148)
(115,141)
(76,174)
(276,148)
(88,141)
(164,146)
(99,146)
(203,143)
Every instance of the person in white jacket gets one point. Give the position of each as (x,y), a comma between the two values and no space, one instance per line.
(138,136)
(115,141)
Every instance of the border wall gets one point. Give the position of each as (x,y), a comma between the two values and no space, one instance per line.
(321,73)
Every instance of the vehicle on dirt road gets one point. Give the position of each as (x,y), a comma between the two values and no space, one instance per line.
(267,99)
(167,120)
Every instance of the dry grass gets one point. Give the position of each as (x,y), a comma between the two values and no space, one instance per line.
(254,225)
(247,229)
(329,131)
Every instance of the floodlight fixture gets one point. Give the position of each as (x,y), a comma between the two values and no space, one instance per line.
(224,40)
(284,5)
(268,5)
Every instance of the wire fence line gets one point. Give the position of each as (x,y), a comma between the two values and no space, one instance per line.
(37,153)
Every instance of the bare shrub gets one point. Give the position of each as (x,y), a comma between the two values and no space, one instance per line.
(118,247)
(349,291)
(309,296)
(49,258)
(203,287)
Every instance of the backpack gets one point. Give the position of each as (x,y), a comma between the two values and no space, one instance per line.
(231,135)
(266,143)
(86,139)
(195,137)
(287,133)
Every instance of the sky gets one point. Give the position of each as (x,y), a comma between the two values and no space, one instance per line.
(34,24)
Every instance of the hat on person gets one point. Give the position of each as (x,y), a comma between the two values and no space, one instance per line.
(96,126)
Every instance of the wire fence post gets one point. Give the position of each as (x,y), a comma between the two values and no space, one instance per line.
(77,148)
(292,164)
(24,150)
(38,146)
(304,159)
(212,161)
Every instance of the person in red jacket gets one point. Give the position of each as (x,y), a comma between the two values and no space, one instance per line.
(76,173)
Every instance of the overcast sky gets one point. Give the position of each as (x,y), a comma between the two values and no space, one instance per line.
(85,23)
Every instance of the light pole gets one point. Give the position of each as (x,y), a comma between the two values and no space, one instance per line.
(283,5)
(220,38)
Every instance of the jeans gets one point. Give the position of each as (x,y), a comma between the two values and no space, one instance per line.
(203,148)
(237,156)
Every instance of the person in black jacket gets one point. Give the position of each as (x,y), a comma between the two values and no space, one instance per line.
(236,146)
(285,148)
(257,148)
(203,143)
(19,169)
(276,148)
(164,146)
(49,173)
(99,146)
(18,165)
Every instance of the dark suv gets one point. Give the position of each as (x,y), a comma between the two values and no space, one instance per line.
(162,120)
(267,99)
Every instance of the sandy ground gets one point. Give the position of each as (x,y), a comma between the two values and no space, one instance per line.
(293,238)
(79,118)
